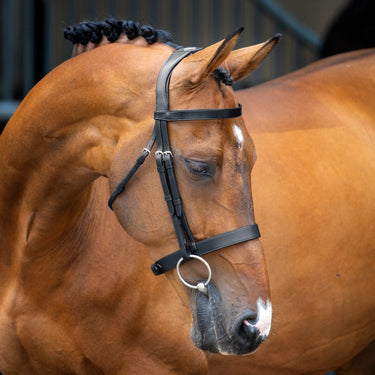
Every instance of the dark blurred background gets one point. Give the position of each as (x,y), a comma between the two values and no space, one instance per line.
(32,43)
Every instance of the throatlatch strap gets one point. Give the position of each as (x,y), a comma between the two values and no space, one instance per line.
(208,245)
(121,186)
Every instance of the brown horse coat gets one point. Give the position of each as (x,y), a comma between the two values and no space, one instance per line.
(314,197)
(66,310)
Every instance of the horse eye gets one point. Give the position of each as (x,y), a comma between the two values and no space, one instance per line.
(200,168)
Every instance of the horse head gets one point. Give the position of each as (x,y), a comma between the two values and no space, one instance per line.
(213,159)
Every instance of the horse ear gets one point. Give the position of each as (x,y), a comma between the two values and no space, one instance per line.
(198,66)
(244,60)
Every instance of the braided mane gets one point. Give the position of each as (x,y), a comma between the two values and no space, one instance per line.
(93,32)
(112,29)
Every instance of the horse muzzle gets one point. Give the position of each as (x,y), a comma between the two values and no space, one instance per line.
(218,329)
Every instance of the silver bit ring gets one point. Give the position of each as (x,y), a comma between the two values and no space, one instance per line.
(202,287)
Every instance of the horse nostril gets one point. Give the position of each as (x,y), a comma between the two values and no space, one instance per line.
(245,325)
(250,317)
(249,328)
(246,335)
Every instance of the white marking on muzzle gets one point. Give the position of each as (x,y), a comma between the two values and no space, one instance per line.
(264,317)
(263,323)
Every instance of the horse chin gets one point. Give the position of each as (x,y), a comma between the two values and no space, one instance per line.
(213,329)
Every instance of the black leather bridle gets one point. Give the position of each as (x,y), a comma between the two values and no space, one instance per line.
(164,162)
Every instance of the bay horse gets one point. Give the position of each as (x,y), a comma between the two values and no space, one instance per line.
(313,186)
(77,295)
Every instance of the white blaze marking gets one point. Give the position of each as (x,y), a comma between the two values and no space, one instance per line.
(238,135)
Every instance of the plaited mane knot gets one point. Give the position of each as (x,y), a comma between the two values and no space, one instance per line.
(112,29)
(220,74)
(131,29)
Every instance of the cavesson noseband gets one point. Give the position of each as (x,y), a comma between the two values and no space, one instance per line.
(189,249)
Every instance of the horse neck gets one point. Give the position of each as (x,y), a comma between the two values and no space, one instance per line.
(52,150)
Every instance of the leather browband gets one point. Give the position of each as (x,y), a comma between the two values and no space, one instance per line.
(198,114)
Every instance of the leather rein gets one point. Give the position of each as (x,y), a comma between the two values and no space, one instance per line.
(188,247)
